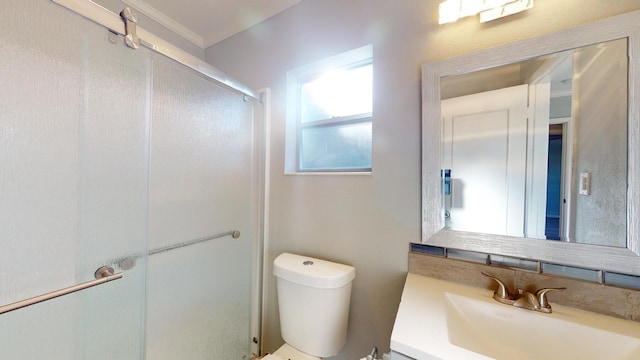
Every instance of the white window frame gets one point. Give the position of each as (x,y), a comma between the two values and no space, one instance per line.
(295,79)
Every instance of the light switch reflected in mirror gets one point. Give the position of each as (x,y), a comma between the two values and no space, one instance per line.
(538,148)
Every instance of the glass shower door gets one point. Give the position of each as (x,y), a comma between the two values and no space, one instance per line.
(73,184)
(202,183)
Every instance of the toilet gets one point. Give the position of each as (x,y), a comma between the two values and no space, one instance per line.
(313,300)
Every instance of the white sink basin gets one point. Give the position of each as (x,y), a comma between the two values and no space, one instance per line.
(505,331)
(444,320)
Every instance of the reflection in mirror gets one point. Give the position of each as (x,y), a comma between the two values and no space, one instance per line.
(538,148)
(596,156)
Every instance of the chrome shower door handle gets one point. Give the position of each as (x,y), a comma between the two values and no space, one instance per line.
(103,274)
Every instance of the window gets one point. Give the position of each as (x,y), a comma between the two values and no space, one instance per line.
(329,117)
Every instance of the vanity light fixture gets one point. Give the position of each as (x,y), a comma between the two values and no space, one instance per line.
(452,10)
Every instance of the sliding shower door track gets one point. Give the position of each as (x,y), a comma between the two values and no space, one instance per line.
(115,23)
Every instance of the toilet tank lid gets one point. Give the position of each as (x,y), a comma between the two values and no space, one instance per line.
(312,272)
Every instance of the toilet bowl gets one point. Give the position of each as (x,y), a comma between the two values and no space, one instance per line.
(313,300)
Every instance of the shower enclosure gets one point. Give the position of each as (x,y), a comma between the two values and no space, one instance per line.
(126,159)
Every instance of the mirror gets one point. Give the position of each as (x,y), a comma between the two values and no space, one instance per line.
(600,234)
(538,148)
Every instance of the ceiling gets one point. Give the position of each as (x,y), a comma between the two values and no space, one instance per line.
(204,22)
(555,68)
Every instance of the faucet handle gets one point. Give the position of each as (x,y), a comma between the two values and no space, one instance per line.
(542,296)
(501,294)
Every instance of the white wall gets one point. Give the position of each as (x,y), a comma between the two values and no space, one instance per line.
(368,221)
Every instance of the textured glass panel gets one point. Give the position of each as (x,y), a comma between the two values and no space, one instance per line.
(336,147)
(113,159)
(40,78)
(338,93)
(73,150)
(200,185)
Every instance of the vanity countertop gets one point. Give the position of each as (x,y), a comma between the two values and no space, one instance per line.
(434,315)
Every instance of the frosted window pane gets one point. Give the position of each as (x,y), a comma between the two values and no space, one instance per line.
(336,147)
(338,93)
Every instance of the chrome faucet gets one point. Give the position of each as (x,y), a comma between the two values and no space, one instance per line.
(525,299)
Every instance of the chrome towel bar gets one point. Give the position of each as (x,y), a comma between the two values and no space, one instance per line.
(102,275)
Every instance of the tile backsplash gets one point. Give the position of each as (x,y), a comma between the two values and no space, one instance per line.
(585,289)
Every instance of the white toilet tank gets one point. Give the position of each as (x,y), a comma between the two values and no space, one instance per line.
(313,299)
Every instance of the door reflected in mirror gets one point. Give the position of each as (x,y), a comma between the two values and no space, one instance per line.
(538,148)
